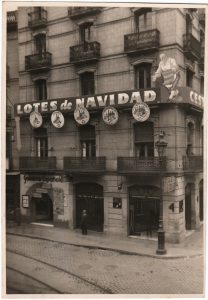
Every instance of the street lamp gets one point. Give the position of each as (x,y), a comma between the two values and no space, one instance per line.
(161,146)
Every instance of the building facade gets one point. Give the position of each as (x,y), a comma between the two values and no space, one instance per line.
(90,114)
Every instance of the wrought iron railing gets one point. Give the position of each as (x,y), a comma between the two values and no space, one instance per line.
(11,20)
(141,41)
(193,163)
(83,52)
(38,18)
(191,46)
(37,163)
(132,165)
(75,12)
(85,164)
(38,61)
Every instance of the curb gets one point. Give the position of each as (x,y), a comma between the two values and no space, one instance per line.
(124,252)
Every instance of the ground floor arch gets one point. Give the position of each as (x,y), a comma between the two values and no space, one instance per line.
(143,209)
(42,209)
(89,197)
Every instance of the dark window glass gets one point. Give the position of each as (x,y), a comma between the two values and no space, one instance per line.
(40,43)
(41,142)
(188,24)
(189,78)
(86,32)
(87,83)
(143,19)
(41,89)
(143,76)
(88,141)
(144,139)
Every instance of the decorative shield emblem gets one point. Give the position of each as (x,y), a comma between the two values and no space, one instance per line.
(36,119)
(110,115)
(81,115)
(57,119)
(141,112)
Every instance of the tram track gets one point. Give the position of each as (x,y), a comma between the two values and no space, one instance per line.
(87,282)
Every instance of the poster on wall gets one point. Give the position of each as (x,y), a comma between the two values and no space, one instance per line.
(81,115)
(110,115)
(57,119)
(36,119)
(141,112)
(25,201)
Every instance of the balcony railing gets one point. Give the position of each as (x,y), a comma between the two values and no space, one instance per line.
(11,20)
(85,52)
(85,165)
(135,165)
(142,41)
(76,12)
(191,47)
(37,163)
(38,62)
(38,18)
(193,163)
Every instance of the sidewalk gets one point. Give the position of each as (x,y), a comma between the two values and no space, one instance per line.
(191,246)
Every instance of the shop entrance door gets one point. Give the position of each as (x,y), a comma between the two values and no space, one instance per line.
(43,208)
(143,211)
(188,206)
(89,197)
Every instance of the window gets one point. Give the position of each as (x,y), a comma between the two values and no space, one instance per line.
(188,24)
(189,77)
(190,138)
(41,89)
(41,140)
(143,19)
(87,83)
(86,32)
(38,13)
(40,44)
(88,141)
(143,76)
(202,85)
(144,139)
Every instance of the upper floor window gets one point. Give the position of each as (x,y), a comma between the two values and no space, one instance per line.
(144,139)
(41,140)
(143,76)
(143,19)
(87,83)
(86,32)
(202,85)
(38,11)
(189,78)
(41,89)
(88,141)
(40,44)
(188,24)
(190,138)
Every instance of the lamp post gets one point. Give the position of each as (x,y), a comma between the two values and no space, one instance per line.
(161,146)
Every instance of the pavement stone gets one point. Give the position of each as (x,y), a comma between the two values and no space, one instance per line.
(193,245)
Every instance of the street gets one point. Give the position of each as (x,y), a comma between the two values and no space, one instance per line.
(38,266)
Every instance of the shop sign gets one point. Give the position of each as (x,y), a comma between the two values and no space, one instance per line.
(57,119)
(141,112)
(36,119)
(99,101)
(110,115)
(45,178)
(25,201)
(81,115)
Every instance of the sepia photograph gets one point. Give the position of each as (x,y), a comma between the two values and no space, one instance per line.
(104,134)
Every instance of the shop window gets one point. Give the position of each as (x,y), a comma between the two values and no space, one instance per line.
(143,76)
(40,44)
(88,141)
(143,19)
(189,78)
(41,89)
(87,83)
(190,138)
(41,140)
(144,140)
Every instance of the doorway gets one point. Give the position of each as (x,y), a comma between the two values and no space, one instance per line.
(89,197)
(143,210)
(188,206)
(42,209)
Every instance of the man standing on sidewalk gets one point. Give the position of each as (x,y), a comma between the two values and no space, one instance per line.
(84,222)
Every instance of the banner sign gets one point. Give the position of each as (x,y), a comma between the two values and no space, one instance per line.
(93,102)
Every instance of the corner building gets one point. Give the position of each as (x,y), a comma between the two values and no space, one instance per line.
(96,57)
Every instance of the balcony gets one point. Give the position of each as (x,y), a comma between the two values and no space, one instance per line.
(193,163)
(83,165)
(142,42)
(83,11)
(191,47)
(37,164)
(37,62)
(136,165)
(12,20)
(86,52)
(38,18)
